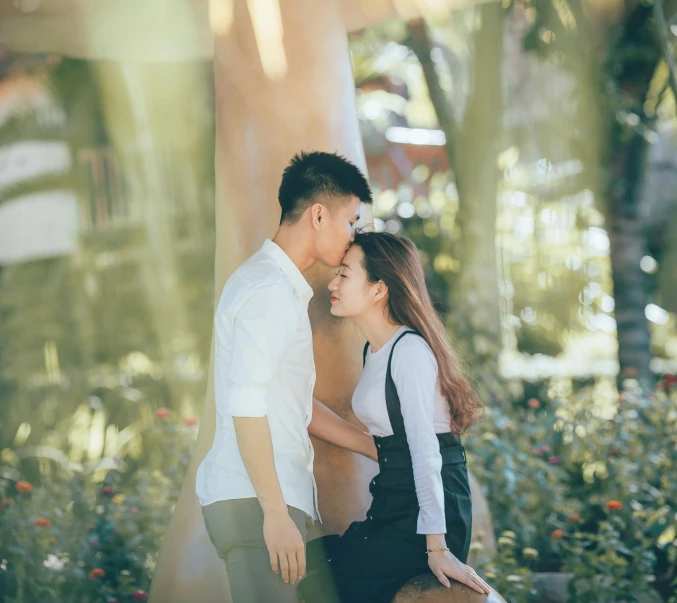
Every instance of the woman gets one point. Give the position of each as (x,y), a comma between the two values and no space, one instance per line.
(415,400)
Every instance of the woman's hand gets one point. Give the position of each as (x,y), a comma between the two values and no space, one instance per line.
(444,565)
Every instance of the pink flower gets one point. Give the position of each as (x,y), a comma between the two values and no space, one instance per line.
(107,490)
(554,460)
(534,403)
(133,510)
(161,413)
(139,595)
(189,421)
(614,505)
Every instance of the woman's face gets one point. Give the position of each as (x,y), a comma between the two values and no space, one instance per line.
(351,293)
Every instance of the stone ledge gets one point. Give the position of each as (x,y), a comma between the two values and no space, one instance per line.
(427,589)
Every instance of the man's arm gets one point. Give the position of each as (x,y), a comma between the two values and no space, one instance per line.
(282,537)
(262,331)
(329,427)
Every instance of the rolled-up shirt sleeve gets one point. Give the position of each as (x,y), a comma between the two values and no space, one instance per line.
(414,371)
(263,330)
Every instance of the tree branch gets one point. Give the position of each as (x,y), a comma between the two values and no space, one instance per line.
(421,44)
(659,13)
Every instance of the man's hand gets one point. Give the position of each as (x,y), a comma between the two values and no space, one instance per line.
(285,546)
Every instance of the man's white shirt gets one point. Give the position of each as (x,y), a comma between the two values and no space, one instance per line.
(263,366)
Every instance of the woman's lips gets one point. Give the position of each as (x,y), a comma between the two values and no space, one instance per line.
(333,299)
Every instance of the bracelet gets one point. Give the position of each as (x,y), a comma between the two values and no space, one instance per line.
(435,550)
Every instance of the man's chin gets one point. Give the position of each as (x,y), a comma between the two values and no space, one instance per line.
(330,263)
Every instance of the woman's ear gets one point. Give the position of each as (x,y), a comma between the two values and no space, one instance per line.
(381,291)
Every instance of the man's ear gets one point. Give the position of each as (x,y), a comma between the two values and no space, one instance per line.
(318,214)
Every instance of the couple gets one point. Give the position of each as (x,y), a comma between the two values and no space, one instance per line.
(256,485)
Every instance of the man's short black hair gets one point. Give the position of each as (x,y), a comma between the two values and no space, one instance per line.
(309,175)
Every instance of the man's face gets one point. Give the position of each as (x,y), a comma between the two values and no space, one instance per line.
(337,231)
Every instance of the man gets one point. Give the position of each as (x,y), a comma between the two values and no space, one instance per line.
(256,484)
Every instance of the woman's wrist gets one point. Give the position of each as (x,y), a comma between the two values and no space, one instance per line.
(435,541)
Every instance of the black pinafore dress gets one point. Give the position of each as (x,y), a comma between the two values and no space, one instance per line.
(375,557)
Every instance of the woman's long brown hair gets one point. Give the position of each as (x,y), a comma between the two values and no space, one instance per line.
(395,261)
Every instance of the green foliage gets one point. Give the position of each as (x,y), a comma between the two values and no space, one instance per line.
(589,484)
(575,482)
(90,536)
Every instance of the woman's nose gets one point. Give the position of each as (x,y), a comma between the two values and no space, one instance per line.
(333,284)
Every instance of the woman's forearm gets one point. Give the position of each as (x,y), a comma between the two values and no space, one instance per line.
(329,427)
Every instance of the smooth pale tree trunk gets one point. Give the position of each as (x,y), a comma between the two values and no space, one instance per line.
(261,123)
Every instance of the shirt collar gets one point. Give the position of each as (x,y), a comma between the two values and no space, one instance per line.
(300,284)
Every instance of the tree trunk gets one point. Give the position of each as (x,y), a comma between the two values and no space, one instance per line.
(627,237)
(472,148)
(631,63)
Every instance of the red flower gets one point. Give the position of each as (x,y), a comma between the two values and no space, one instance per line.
(108,490)
(139,595)
(546,449)
(614,505)
(161,413)
(5,503)
(630,371)
(534,403)
(557,534)
(670,379)
(619,399)
(189,421)
(97,572)
(42,522)
(575,518)
(554,460)
(22,486)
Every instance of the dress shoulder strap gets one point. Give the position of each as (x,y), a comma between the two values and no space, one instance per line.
(392,397)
